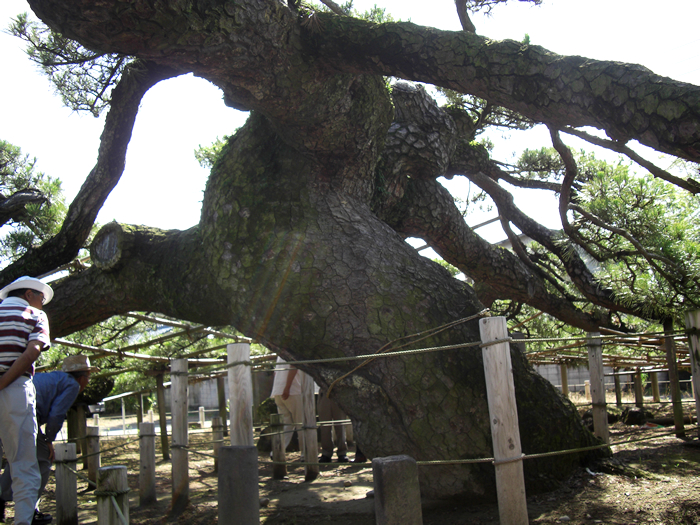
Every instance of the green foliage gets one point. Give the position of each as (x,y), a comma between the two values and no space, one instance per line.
(543,163)
(376,14)
(207,155)
(124,335)
(649,249)
(546,164)
(84,79)
(534,324)
(537,325)
(488,5)
(638,234)
(38,221)
(480,114)
(454,271)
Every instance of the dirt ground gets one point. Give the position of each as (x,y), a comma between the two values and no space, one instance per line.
(656,480)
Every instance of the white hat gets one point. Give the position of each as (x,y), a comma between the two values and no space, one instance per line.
(77,363)
(31,283)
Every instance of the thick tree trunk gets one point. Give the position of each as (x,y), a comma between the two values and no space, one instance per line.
(300,244)
(310,272)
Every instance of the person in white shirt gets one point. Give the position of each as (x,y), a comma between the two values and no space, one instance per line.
(286,391)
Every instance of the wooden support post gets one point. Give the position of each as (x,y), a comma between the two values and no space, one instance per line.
(396,491)
(309,433)
(217,436)
(147,472)
(655,394)
(82,432)
(93,452)
(139,415)
(112,486)
(178,399)
(123,417)
(638,389)
(72,426)
(162,418)
(595,366)
(239,498)
(587,389)
(670,346)
(503,416)
(692,324)
(618,390)
(95,420)
(256,401)
(279,455)
(202,417)
(240,389)
(150,415)
(66,484)
(564,380)
(221,393)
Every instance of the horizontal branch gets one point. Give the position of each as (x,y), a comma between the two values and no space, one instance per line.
(628,101)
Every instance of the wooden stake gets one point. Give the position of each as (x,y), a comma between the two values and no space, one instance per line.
(82,432)
(655,394)
(279,455)
(147,472)
(93,452)
(112,483)
(66,484)
(638,389)
(503,415)
(181,473)
(595,366)
(239,496)
(309,442)
(221,393)
(162,418)
(692,323)
(240,389)
(670,346)
(564,380)
(217,435)
(618,391)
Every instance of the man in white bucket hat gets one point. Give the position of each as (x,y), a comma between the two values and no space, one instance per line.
(24,333)
(55,394)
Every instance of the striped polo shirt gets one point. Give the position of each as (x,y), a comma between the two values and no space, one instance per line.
(19,324)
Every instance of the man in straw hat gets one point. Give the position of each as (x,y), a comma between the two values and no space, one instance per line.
(55,394)
(24,333)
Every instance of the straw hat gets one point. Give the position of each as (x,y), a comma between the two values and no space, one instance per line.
(31,283)
(77,363)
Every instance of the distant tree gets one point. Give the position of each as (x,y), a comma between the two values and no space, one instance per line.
(31,203)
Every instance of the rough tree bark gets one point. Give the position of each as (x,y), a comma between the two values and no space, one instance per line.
(300,243)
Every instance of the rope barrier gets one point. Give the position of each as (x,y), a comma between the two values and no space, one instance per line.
(539,455)
(83,456)
(188,449)
(385,350)
(119,511)
(608,340)
(308,463)
(497,342)
(78,474)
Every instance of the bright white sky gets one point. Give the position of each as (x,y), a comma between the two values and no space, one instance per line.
(162,184)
